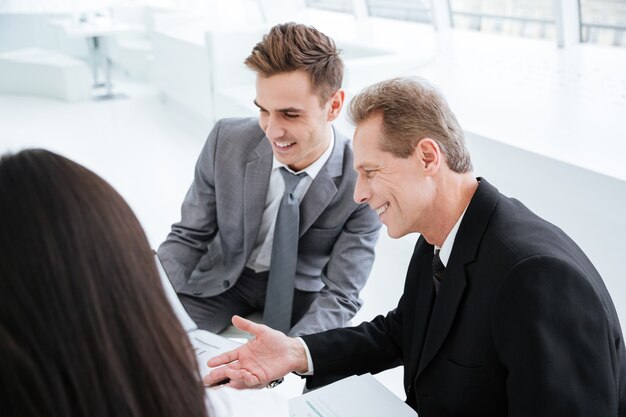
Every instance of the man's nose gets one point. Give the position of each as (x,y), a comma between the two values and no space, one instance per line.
(274,128)
(361,191)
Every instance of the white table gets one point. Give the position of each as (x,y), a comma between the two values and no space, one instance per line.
(96,32)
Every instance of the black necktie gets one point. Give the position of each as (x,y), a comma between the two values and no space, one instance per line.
(279,295)
(438,270)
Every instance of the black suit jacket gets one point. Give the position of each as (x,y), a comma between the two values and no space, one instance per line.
(523,325)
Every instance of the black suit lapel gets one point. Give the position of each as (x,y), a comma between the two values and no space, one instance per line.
(464,251)
(444,310)
(425,297)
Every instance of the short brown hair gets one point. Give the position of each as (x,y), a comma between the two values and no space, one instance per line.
(412,110)
(290,47)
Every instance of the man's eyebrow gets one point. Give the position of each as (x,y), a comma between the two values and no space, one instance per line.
(285,110)
(291,110)
(369,165)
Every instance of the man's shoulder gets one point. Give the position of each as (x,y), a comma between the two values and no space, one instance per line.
(343,141)
(517,230)
(344,156)
(240,126)
(233,138)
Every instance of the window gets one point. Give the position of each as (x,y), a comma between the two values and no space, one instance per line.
(603,22)
(526,18)
(344,6)
(414,10)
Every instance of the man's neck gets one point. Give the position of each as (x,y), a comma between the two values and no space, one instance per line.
(456,192)
(324,148)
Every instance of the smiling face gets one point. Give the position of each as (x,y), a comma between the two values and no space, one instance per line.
(293,120)
(398,189)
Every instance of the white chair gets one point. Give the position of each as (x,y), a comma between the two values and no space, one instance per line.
(232,82)
(133,52)
(181,68)
(47,73)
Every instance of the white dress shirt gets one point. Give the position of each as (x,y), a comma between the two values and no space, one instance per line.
(446,249)
(260,257)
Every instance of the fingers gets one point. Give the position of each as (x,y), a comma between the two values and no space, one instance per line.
(237,376)
(237,385)
(234,377)
(224,358)
(251,380)
(216,375)
(246,325)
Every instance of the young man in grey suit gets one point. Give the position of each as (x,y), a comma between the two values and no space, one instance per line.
(223,256)
(502,313)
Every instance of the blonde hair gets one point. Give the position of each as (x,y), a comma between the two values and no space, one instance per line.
(412,110)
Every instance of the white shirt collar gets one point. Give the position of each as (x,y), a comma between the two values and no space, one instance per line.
(313,169)
(446,249)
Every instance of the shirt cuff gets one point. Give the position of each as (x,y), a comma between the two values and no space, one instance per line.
(309,360)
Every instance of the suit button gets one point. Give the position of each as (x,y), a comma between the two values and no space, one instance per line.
(226,283)
(197,293)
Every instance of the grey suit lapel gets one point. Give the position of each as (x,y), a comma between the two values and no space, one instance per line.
(256,183)
(323,188)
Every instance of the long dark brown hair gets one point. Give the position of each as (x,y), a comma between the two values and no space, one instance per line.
(85,327)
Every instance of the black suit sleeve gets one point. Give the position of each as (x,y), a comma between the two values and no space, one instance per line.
(370,347)
(558,340)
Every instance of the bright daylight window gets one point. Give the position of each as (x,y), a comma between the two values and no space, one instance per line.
(344,6)
(526,18)
(603,22)
(413,10)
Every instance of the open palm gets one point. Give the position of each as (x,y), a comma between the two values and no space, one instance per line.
(267,357)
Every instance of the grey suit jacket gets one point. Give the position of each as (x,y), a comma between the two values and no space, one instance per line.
(207,250)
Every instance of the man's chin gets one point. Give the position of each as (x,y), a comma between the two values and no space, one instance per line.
(286,159)
(395,233)
(283,160)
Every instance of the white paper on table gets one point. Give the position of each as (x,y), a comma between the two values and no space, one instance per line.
(355,396)
(185,320)
(206,345)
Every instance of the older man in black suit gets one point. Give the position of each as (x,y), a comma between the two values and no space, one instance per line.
(502,313)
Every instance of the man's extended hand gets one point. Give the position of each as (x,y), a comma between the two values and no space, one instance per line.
(267,357)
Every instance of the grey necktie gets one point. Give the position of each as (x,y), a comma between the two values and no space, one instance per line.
(279,296)
(438,270)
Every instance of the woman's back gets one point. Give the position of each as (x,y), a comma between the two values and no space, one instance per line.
(84,323)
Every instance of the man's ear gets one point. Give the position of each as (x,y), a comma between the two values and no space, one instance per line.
(336,103)
(428,155)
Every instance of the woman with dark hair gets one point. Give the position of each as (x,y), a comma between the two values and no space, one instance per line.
(85,326)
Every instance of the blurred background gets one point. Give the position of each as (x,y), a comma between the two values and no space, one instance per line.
(132,88)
